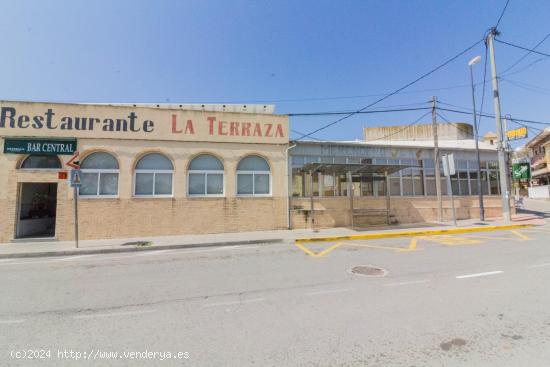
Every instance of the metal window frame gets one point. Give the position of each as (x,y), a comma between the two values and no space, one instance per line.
(97,195)
(154,172)
(253,173)
(206,173)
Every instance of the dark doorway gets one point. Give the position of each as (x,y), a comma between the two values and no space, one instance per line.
(37,209)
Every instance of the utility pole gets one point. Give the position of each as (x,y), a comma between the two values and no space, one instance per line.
(436,162)
(504,190)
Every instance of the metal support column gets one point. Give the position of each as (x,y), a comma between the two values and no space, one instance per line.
(437,170)
(388,205)
(350,194)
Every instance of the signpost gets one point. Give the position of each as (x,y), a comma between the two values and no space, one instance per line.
(449,170)
(515,134)
(521,171)
(75,182)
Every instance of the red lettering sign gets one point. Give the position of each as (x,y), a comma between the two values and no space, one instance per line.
(245,131)
(221,128)
(211,123)
(189,127)
(174,126)
(257,130)
(234,128)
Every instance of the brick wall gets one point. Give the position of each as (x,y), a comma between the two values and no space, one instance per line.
(156,217)
(128,216)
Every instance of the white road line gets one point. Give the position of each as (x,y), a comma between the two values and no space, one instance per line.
(30,262)
(234,302)
(223,248)
(538,266)
(129,255)
(406,283)
(112,314)
(479,274)
(148,253)
(328,291)
(4,322)
(184,252)
(70,258)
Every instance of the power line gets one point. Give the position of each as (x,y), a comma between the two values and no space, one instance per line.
(394,92)
(502,13)
(536,129)
(355,112)
(472,135)
(478,120)
(527,54)
(330,98)
(454,105)
(466,111)
(527,86)
(404,128)
(455,125)
(525,67)
(493,116)
(300,133)
(508,117)
(523,48)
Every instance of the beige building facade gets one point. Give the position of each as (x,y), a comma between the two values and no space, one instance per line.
(146,171)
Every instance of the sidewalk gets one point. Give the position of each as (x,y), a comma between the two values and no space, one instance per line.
(66,248)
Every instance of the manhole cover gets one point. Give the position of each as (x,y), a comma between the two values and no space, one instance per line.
(368,271)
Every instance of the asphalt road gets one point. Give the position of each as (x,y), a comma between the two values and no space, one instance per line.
(468,300)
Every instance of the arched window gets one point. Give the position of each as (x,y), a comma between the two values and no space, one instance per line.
(99,175)
(205,176)
(41,162)
(253,177)
(153,176)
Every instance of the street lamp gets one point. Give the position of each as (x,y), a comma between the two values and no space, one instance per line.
(471,64)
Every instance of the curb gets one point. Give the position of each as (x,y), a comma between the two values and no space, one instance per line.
(136,249)
(428,232)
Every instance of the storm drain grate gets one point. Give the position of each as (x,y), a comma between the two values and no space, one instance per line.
(368,271)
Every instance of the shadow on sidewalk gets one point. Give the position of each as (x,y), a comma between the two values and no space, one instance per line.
(543,214)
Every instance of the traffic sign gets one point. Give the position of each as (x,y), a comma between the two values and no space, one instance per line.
(73,163)
(521,171)
(449,165)
(75,179)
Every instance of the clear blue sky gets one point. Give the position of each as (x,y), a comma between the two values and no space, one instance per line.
(280,52)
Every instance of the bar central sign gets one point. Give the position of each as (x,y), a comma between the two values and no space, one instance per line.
(40,146)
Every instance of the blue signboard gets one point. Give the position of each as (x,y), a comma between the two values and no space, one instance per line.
(74,178)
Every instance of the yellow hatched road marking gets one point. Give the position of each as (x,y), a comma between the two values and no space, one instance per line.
(444,239)
(452,240)
(414,233)
(536,229)
(521,235)
(412,244)
(411,247)
(492,238)
(396,249)
(320,253)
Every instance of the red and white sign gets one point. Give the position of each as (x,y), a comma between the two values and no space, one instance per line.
(71,162)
